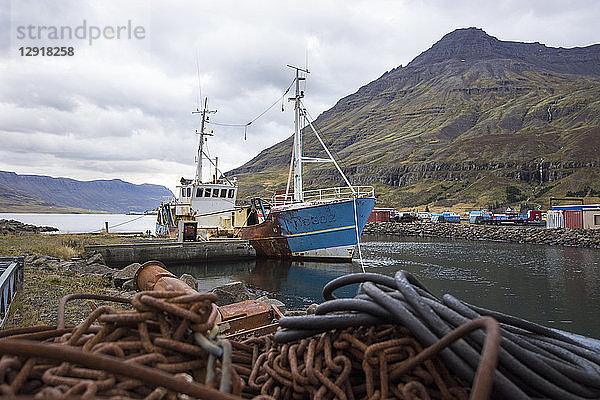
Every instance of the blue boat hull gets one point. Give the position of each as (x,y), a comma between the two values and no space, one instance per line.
(316,231)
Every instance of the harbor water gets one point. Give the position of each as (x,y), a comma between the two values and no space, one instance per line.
(556,286)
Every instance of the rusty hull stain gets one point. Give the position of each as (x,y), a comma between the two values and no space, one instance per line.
(266,238)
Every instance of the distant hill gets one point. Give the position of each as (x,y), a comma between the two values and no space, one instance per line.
(472,121)
(35,193)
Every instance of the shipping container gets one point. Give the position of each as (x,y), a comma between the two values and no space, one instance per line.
(380,215)
(446,216)
(573,219)
(591,218)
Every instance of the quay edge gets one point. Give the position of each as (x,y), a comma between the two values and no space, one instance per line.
(174,252)
(517,234)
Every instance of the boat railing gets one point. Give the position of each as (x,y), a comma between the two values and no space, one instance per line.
(166,199)
(335,193)
(11,280)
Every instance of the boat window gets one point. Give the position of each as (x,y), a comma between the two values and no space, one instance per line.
(199,192)
(223,193)
(215,192)
(207,192)
(189,192)
(231,192)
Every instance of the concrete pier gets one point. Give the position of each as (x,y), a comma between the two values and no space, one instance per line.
(174,252)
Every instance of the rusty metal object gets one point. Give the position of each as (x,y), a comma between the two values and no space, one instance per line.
(266,238)
(153,275)
(245,316)
(93,380)
(60,321)
(249,316)
(482,386)
(110,353)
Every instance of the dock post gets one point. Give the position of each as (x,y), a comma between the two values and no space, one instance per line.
(106,226)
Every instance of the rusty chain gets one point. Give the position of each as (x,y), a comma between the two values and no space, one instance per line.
(112,354)
(353,363)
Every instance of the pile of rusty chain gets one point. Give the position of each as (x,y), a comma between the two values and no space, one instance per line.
(149,352)
(353,363)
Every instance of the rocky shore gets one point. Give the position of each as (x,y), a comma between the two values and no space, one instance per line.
(47,279)
(10,226)
(512,233)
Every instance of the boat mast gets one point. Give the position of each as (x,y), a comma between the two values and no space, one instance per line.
(298,194)
(204,113)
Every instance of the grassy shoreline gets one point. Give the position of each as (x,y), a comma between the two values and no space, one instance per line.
(64,246)
(52,270)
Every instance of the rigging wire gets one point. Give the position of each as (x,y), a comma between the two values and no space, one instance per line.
(360,257)
(247,124)
(309,118)
(122,223)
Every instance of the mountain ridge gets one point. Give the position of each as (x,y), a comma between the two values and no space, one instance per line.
(470,98)
(474,44)
(71,195)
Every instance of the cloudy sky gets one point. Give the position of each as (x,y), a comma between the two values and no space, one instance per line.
(121,107)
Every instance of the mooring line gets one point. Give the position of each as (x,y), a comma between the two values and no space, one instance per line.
(362,265)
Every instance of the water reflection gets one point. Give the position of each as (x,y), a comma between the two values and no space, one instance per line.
(297,283)
(211,274)
(552,285)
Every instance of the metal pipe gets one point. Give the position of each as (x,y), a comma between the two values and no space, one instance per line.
(153,275)
(482,384)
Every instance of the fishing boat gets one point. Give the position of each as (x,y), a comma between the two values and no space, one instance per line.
(209,203)
(323,224)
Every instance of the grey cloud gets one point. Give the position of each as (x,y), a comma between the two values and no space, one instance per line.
(122,109)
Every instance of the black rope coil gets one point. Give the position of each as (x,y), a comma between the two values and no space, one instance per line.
(534,361)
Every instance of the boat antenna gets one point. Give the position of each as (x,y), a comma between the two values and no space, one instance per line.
(297,159)
(204,113)
(199,99)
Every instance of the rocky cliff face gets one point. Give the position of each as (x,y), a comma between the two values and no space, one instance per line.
(472,44)
(472,109)
(114,196)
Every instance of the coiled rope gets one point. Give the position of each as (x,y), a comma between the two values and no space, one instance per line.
(534,361)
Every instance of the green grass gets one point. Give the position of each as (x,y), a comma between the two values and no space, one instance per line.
(36,303)
(64,246)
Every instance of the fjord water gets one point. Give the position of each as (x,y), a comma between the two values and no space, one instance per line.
(555,286)
(84,223)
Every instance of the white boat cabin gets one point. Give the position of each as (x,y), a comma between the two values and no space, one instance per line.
(210,204)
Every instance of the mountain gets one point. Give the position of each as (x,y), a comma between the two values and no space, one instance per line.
(35,193)
(473,121)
